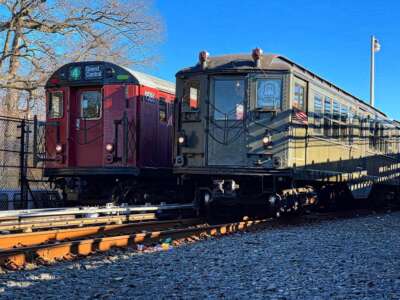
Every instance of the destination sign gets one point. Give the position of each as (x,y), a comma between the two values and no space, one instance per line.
(93,72)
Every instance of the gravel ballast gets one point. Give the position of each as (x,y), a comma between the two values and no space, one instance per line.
(337,259)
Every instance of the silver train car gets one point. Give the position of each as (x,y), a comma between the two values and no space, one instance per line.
(261,129)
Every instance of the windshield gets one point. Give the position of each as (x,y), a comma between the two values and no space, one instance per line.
(229,97)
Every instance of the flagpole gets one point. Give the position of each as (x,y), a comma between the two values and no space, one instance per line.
(372,78)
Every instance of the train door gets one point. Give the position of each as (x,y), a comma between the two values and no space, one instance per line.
(86,127)
(57,123)
(227,122)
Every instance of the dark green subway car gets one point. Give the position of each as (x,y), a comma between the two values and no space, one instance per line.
(263,129)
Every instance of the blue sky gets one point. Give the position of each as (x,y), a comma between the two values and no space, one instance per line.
(332,38)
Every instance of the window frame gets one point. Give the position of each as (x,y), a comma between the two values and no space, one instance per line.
(81,107)
(50,100)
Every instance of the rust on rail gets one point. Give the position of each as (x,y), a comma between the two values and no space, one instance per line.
(36,238)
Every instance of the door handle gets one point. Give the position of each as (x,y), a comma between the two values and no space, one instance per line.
(78,124)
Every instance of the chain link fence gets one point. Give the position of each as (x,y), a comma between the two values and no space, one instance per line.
(22,149)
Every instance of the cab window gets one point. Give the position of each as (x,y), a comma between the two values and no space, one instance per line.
(91,105)
(299,96)
(192,96)
(269,93)
(228,99)
(55,105)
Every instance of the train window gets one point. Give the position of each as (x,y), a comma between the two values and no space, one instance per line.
(344,115)
(352,122)
(336,119)
(299,96)
(373,135)
(162,110)
(55,105)
(361,124)
(327,116)
(317,114)
(269,93)
(192,96)
(382,139)
(229,99)
(91,105)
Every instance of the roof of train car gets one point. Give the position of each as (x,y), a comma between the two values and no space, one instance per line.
(245,62)
(152,81)
(135,77)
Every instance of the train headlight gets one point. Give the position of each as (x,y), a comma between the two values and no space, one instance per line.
(182,139)
(59,148)
(109,147)
(267,141)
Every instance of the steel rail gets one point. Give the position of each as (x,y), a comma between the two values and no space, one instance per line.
(91,210)
(9,241)
(46,224)
(15,258)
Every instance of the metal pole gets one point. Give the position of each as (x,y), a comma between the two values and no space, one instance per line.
(22,165)
(372,81)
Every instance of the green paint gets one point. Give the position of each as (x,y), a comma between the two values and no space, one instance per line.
(75,73)
(122,77)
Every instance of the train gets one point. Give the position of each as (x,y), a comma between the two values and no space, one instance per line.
(108,133)
(255,129)
(239,130)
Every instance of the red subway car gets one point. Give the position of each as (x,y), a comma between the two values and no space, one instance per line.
(108,132)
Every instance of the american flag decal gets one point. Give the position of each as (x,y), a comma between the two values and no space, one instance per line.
(299,116)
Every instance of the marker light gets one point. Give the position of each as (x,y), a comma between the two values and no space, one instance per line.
(59,148)
(109,147)
(203,56)
(181,140)
(257,53)
(266,140)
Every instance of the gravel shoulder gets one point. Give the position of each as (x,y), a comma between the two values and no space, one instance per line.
(357,258)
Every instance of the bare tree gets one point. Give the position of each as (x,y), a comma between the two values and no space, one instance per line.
(37,36)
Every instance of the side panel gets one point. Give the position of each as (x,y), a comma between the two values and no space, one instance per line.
(120,100)
(155,136)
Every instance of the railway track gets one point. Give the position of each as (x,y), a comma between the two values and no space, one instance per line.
(18,249)
(44,246)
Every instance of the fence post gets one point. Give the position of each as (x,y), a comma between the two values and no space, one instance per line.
(22,164)
(35,144)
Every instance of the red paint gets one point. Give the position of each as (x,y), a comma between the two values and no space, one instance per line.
(149,139)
